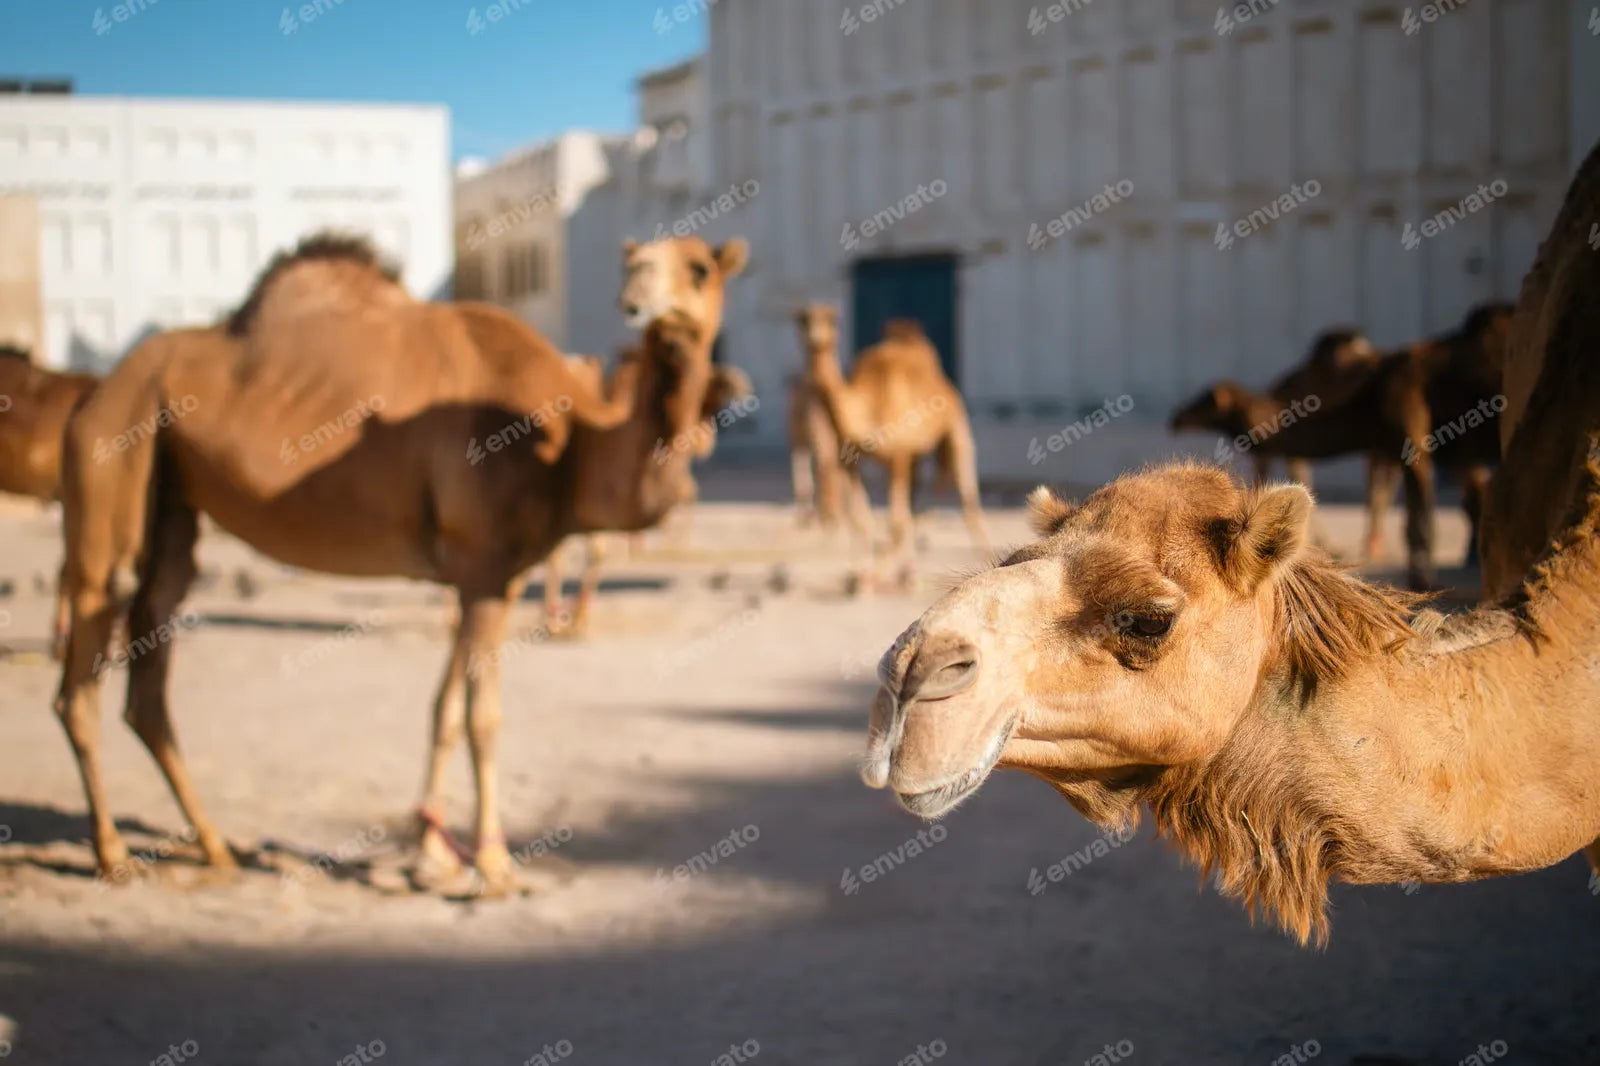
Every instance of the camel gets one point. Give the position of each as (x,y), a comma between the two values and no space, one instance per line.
(728,383)
(1340,359)
(813,456)
(34,406)
(1174,644)
(1432,402)
(469,452)
(896,407)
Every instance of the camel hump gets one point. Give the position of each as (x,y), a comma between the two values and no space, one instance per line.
(323,247)
(903,329)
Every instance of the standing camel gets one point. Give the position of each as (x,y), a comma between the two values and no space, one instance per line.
(896,407)
(388,486)
(813,456)
(1175,644)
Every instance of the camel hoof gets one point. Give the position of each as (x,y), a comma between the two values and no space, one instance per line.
(779,581)
(119,874)
(854,585)
(436,873)
(497,874)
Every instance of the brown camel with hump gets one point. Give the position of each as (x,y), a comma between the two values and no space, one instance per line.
(1434,402)
(332,425)
(896,407)
(1173,644)
(1339,361)
(728,383)
(35,404)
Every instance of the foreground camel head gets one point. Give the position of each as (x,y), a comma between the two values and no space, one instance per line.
(1206,410)
(1125,642)
(678,276)
(819,329)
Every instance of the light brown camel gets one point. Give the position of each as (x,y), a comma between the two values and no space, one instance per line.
(34,406)
(728,384)
(813,456)
(414,485)
(896,407)
(1174,644)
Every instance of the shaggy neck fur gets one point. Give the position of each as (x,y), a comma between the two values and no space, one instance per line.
(1442,750)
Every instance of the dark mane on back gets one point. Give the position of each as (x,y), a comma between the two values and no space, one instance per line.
(13,351)
(325,245)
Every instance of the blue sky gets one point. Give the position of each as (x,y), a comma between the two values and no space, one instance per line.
(542,67)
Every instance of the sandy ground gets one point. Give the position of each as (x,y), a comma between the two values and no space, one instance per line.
(705,705)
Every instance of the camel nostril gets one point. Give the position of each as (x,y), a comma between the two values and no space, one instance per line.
(941,671)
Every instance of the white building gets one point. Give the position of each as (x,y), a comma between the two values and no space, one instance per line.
(156,213)
(913,155)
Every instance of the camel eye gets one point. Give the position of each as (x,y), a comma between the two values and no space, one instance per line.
(1147,626)
(699,273)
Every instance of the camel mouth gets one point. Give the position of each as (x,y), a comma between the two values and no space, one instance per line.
(940,800)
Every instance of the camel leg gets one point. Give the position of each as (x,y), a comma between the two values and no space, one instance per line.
(78,707)
(437,862)
(1474,491)
(63,618)
(483,623)
(805,488)
(823,444)
(595,556)
(858,513)
(964,466)
(1380,490)
(902,549)
(552,592)
(1418,474)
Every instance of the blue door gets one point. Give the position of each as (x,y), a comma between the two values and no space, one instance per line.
(922,287)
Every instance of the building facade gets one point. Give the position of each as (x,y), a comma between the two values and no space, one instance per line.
(159,213)
(1088,200)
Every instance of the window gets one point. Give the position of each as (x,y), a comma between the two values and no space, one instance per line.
(471,282)
(527,270)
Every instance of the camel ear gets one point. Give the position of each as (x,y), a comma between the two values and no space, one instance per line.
(629,246)
(732,256)
(1047,512)
(1269,534)
(1219,396)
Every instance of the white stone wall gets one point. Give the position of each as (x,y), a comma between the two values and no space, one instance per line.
(158,213)
(838,123)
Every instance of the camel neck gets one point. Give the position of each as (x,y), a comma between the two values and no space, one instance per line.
(838,398)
